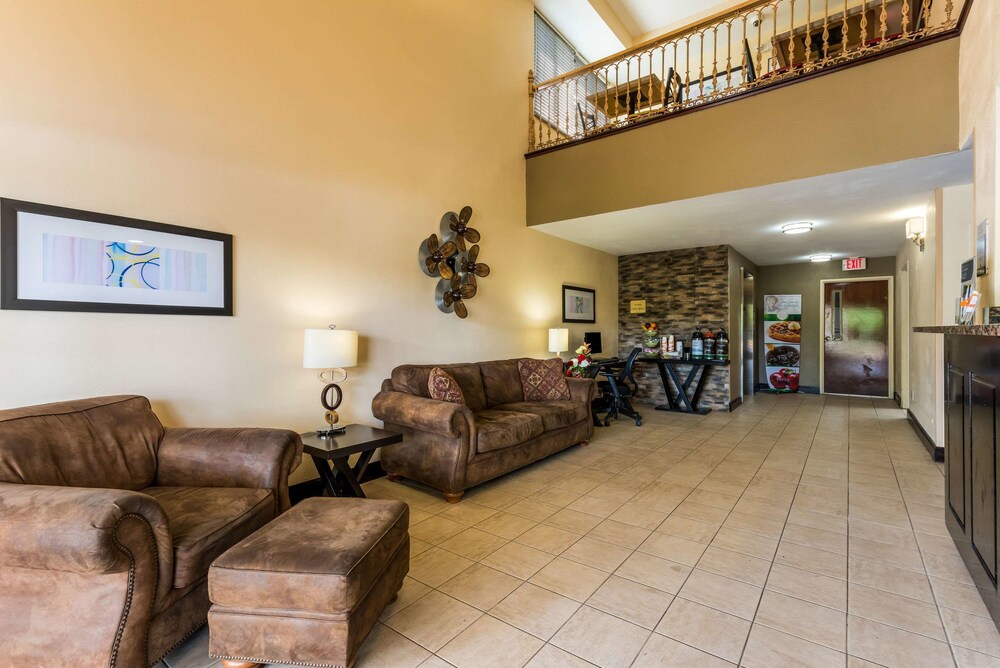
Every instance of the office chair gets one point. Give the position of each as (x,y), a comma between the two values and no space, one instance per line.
(620,384)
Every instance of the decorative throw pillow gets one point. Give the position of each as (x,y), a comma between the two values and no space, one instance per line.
(443,387)
(543,380)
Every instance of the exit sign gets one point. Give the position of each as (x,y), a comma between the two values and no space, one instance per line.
(855,264)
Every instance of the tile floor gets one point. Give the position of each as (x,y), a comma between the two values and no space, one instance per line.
(796,531)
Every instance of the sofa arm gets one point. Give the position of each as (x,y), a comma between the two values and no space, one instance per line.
(78,529)
(422,414)
(582,389)
(229,457)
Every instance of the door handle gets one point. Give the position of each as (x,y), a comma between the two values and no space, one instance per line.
(828,338)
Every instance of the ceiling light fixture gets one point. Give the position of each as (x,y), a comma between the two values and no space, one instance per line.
(821,257)
(796,228)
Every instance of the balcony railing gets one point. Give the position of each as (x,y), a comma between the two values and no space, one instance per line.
(757,44)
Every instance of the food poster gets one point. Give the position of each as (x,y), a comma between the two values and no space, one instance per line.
(782,337)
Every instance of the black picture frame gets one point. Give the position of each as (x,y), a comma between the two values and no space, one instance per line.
(10,298)
(573,292)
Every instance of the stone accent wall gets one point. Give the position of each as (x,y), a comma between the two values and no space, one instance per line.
(683,289)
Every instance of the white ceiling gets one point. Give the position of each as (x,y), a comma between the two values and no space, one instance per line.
(646,19)
(856,213)
(581,24)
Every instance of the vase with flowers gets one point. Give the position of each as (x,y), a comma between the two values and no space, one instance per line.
(578,366)
(650,340)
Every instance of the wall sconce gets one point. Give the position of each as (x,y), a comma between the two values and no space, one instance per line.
(916,230)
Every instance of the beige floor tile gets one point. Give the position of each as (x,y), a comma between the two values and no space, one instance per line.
(637,516)
(855,662)
(436,566)
(600,638)
(468,513)
(518,560)
(570,578)
(685,527)
(548,539)
(418,546)
(573,520)
(966,658)
(508,646)
(769,648)
(811,559)
(972,632)
(886,554)
(551,656)
(662,652)
(536,610)
(738,566)
(408,593)
(433,620)
(713,499)
(895,610)
(823,540)
(890,646)
(480,586)
(619,533)
(765,526)
(655,572)
(753,544)
(815,623)
(473,543)
(506,525)
(890,579)
(707,629)
(436,530)
(701,512)
(822,521)
(432,661)
(597,554)
(761,508)
(808,586)
(557,496)
(674,548)
(958,596)
(385,648)
(491,498)
(631,601)
(883,533)
(722,593)
(949,567)
(532,509)
(594,505)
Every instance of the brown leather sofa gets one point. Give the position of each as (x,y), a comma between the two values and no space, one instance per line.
(108,524)
(453,447)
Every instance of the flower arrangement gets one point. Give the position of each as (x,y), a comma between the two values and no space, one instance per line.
(577,366)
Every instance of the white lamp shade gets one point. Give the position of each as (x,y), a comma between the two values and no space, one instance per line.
(915,227)
(330,349)
(558,340)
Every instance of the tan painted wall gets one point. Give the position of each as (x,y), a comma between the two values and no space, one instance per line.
(900,107)
(805,279)
(329,139)
(979,78)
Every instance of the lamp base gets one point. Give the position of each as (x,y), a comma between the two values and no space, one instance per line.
(331,431)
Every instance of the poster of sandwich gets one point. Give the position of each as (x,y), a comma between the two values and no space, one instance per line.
(782,338)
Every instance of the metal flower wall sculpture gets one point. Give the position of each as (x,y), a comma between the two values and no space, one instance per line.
(453,262)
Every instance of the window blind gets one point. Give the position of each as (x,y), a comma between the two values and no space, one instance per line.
(565,109)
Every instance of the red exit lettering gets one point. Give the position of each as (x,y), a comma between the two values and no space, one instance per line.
(854,264)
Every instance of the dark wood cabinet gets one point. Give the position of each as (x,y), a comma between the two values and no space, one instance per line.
(982,441)
(954,415)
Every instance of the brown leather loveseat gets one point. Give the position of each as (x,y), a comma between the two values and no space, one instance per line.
(108,523)
(453,447)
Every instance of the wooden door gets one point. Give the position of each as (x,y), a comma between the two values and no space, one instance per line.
(856,337)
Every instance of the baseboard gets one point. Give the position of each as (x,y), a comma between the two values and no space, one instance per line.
(314,487)
(898,399)
(936,452)
(735,403)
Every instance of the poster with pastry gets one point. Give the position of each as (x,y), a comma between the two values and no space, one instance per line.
(782,318)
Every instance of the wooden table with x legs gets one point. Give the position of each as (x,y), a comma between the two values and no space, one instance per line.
(331,454)
(677,390)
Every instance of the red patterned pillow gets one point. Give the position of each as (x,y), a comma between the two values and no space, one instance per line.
(543,380)
(441,386)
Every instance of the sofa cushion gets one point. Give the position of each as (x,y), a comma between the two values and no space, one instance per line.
(554,414)
(207,521)
(443,387)
(106,442)
(543,380)
(501,382)
(412,379)
(322,556)
(496,429)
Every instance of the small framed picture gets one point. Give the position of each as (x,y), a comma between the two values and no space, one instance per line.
(579,304)
(992,315)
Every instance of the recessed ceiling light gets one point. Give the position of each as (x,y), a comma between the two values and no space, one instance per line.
(821,257)
(796,228)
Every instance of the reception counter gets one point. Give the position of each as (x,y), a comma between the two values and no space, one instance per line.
(971,399)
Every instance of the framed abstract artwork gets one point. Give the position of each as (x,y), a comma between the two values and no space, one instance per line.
(579,304)
(58,259)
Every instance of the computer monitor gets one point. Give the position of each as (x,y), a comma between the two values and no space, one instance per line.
(594,339)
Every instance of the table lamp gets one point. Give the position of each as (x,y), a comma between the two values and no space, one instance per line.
(331,350)
(558,340)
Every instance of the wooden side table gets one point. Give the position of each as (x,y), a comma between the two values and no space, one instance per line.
(331,454)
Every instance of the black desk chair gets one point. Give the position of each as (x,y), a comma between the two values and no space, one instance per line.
(620,384)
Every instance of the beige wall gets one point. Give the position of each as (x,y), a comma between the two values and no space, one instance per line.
(329,139)
(737,264)
(896,108)
(979,78)
(805,279)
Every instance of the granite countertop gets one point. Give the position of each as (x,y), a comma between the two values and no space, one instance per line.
(965,330)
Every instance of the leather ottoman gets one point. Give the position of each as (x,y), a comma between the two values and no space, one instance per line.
(308,587)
